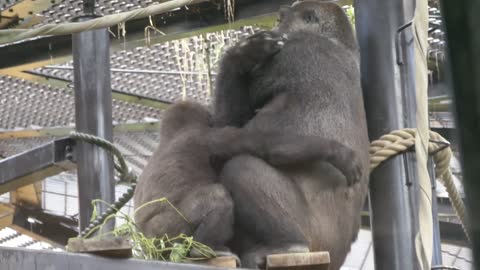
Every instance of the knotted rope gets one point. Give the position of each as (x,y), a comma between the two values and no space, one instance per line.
(399,141)
(386,147)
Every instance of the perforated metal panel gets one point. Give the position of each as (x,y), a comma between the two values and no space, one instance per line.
(24,104)
(169,71)
(67,9)
(12,238)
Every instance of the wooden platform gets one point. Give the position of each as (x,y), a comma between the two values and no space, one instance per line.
(223,262)
(117,247)
(299,261)
(291,261)
(121,247)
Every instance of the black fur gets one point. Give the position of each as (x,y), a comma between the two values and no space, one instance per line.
(180,171)
(312,62)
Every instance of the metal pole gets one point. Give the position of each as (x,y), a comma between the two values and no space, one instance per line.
(463,38)
(388,80)
(93,115)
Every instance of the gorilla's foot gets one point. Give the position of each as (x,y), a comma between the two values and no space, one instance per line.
(220,252)
(291,261)
(229,254)
(257,257)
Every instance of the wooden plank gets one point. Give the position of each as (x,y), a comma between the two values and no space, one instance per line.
(223,262)
(299,261)
(118,247)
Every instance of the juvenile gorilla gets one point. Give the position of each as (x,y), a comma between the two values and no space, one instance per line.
(311,61)
(180,171)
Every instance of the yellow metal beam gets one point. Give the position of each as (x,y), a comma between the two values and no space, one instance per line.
(30,195)
(6,215)
(26,10)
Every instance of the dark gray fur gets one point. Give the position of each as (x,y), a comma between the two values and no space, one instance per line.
(180,171)
(311,60)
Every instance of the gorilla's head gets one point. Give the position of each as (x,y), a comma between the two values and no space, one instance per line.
(184,115)
(324,18)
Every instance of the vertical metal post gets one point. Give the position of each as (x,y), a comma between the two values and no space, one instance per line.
(388,81)
(93,115)
(463,38)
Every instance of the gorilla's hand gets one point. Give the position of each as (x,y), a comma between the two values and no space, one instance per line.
(252,53)
(348,162)
(285,148)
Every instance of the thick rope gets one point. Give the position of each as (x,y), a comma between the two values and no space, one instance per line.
(110,210)
(12,35)
(382,149)
(400,141)
(121,167)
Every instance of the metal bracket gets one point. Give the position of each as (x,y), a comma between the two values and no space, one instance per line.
(36,164)
(398,46)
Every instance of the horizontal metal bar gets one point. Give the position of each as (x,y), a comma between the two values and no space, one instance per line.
(150,125)
(142,71)
(36,164)
(23,259)
(116,94)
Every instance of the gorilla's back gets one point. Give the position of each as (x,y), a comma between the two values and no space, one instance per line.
(322,79)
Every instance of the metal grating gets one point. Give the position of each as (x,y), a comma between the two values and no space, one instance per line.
(361,254)
(441,120)
(60,195)
(25,104)
(137,147)
(68,9)
(4,4)
(436,46)
(169,71)
(11,238)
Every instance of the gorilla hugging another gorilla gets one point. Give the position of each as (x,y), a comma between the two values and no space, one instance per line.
(282,166)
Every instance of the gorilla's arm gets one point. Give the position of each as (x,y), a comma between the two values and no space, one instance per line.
(232,99)
(231,102)
(280,149)
(285,149)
